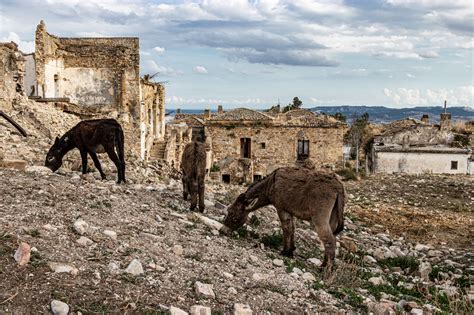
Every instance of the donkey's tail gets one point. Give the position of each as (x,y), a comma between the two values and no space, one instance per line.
(337,214)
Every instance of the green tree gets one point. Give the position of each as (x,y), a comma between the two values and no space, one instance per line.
(357,134)
(295,105)
(340,117)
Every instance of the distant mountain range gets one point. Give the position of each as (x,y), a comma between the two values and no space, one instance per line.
(381,114)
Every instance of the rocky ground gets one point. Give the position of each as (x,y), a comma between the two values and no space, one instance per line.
(72,243)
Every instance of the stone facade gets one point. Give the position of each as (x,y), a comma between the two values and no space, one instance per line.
(96,74)
(247,145)
(152,115)
(12,73)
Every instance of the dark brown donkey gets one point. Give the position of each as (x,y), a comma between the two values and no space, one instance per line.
(193,165)
(88,136)
(296,192)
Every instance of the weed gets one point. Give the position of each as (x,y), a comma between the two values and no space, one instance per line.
(131,279)
(36,260)
(33,233)
(347,173)
(292,263)
(434,274)
(96,307)
(274,241)
(59,295)
(254,221)
(399,291)
(196,256)
(404,262)
(244,232)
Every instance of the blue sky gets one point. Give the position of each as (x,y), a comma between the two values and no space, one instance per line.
(397,53)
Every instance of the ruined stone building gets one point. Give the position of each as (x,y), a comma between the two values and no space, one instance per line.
(12,73)
(246,145)
(90,77)
(416,147)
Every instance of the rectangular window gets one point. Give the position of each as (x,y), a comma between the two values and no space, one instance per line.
(303,149)
(226,178)
(257,178)
(263,145)
(245,148)
(454,165)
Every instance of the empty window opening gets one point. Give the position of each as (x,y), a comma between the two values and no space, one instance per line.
(56,85)
(257,178)
(245,148)
(226,178)
(263,145)
(303,149)
(454,165)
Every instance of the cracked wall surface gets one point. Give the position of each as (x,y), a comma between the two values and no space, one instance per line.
(12,73)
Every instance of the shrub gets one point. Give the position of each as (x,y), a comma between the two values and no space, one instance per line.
(403,262)
(274,241)
(347,173)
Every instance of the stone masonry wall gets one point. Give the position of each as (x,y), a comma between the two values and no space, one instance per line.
(12,72)
(280,147)
(98,74)
(152,115)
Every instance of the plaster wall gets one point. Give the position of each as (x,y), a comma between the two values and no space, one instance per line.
(418,163)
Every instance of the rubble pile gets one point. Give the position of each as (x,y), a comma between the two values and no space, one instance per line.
(76,244)
(100,247)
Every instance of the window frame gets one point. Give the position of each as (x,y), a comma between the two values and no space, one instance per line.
(302,153)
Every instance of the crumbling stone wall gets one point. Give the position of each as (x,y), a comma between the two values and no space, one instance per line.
(152,115)
(272,146)
(98,74)
(12,72)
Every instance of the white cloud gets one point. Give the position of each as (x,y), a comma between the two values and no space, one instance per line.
(463,95)
(428,54)
(151,67)
(179,100)
(159,50)
(200,70)
(409,75)
(24,46)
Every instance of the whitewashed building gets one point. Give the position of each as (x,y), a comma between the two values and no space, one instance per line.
(416,147)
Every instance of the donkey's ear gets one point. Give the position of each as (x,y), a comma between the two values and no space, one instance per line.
(56,141)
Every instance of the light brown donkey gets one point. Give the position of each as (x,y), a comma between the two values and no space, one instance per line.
(296,192)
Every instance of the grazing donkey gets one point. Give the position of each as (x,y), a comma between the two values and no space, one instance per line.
(193,166)
(296,192)
(88,136)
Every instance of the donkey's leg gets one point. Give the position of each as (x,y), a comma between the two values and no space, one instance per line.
(113,156)
(288,227)
(185,189)
(329,241)
(201,195)
(97,163)
(84,160)
(193,190)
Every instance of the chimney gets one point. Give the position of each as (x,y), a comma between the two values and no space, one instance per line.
(220,109)
(445,119)
(425,119)
(207,114)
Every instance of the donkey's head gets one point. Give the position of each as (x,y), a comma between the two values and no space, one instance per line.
(239,210)
(54,158)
